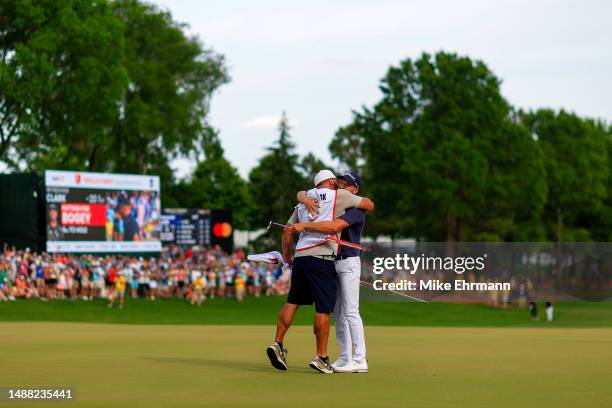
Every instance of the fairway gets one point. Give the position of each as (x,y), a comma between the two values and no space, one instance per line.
(179,366)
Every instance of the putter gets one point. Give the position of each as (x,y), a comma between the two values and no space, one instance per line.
(277,224)
(271,223)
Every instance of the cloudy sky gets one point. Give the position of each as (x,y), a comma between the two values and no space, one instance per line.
(318,60)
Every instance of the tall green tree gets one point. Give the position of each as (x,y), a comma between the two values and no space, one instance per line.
(215,183)
(311,164)
(274,183)
(515,187)
(95,86)
(440,153)
(61,78)
(575,153)
(171,79)
(599,223)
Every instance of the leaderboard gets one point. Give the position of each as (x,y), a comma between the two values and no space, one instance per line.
(183,226)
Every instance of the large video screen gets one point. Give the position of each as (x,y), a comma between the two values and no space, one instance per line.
(102,212)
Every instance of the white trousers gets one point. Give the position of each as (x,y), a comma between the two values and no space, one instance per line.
(347,320)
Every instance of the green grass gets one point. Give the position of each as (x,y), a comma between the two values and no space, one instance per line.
(263,311)
(225,366)
(168,353)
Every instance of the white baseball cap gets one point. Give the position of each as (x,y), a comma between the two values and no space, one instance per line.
(323,175)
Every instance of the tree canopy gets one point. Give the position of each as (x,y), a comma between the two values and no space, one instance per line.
(577,169)
(102,86)
(62,76)
(442,155)
(274,182)
(171,80)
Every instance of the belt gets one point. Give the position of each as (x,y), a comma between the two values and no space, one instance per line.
(326,257)
(342,257)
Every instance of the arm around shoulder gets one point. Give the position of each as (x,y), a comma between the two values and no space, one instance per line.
(354,201)
(366,204)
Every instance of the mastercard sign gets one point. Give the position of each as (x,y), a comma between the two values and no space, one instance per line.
(222,230)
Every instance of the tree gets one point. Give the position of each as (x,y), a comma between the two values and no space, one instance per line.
(275,181)
(171,80)
(61,77)
(311,164)
(515,190)
(102,87)
(215,183)
(440,153)
(575,153)
(600,222)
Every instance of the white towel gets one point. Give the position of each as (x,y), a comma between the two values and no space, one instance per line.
(274,257)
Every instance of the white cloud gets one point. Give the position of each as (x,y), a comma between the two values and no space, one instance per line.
(265,122)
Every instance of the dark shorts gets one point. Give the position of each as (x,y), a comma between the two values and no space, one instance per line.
(313,280)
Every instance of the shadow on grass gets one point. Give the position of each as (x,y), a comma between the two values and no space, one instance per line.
(235,365)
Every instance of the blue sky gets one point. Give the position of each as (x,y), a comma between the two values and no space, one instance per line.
(318,60)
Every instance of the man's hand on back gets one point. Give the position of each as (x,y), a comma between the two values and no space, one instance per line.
(311,204)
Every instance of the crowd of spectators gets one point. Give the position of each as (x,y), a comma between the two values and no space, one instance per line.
(177,272)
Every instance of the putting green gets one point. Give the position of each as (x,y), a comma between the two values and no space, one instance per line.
(181,366)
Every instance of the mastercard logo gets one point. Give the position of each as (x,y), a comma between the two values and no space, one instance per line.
(222,229)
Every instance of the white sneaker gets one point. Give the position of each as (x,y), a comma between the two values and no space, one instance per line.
(339,363)
(360,367)
(353,367)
